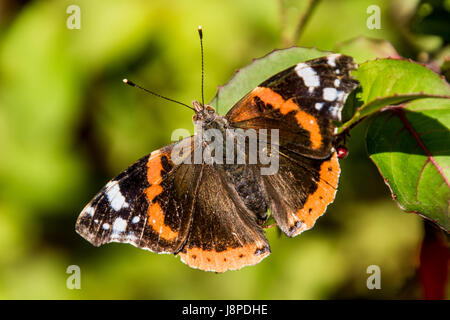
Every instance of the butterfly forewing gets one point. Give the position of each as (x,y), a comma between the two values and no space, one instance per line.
(143,205)
(301,102)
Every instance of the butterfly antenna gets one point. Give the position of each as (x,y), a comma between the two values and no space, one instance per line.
(131,83)
(200,33)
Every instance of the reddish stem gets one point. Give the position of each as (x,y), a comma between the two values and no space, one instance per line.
(434,263)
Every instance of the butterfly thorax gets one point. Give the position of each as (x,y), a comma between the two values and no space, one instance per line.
(240,176)
(207,117)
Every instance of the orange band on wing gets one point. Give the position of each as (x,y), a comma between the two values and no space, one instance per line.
(317,202)
(305,120)
(153,191)
(229,259)
(154,167)
(156,221)
(155,214)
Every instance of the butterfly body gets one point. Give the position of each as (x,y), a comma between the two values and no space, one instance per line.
(206,197)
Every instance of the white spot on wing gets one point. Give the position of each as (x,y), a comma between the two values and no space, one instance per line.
(135,219)
(119,225)
(89,211)
(115,197)
(337,83)
(329,94)
(318,106)
(341,96)
(332,59)
(105,226)
(309,76)
(131,237)
(335,112)
(118,228)
(155,153)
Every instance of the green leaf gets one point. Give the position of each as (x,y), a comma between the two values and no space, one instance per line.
(411,148)
(363,48)
(387,82)
(259,70)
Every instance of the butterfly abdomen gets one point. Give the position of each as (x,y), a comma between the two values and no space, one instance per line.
(248,188)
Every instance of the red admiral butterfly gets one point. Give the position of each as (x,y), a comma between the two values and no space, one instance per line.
(211,215)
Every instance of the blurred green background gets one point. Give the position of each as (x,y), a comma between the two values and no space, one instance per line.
(68,124)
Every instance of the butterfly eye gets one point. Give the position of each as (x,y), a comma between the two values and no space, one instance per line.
(210,109)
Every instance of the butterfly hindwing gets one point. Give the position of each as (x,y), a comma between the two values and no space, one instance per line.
(224,234)
(301,190)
